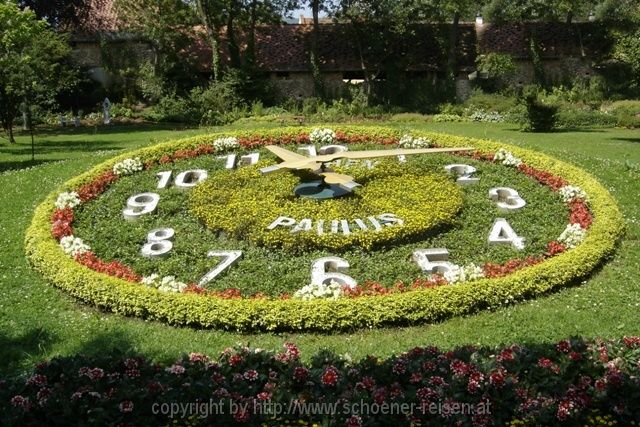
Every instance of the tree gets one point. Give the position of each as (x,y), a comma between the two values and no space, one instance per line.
(168,25)
(64,15)
(236,17)
(31,62)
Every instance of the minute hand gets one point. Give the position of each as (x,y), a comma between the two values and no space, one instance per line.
(367,154)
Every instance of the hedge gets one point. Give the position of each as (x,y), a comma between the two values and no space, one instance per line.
(419,306)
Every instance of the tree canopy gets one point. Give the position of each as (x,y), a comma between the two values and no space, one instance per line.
(32,62)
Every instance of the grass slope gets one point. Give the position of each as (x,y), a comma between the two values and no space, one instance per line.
(38,321)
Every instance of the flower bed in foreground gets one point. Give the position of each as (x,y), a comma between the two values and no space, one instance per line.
(572,382)
(106,286)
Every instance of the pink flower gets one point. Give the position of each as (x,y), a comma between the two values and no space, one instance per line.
(251,375)
(20,401)
(43,395)
(37,380)
(126,406)
(292,351)
(427,394)
(367,383)
(354,421)
(265,395)
(241,415)
(131,363)
(330,376)
(460,368)
(415,378)
(565,409)
(198,357)
(300,373)
(176,369)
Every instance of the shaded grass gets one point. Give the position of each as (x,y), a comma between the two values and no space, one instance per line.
(38,321)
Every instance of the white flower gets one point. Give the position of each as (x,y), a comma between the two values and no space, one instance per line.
(572,235)
(507,158)
(322,136)
(407,141)
(459,274)
(332,290)
(166,284)
(73,246)
(128,166)
(67,200)
(221,144)
(571,192)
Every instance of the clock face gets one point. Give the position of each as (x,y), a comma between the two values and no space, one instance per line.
(321,217)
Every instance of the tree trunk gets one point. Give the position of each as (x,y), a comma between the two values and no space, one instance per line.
(318,83)
(569,17)
(453,42)
(12,140)
(234,50)
(251,42)
(212,35)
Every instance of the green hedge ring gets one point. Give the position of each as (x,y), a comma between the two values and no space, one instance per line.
(415,306)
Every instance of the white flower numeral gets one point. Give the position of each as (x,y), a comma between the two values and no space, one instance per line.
(328,269)
(464,173)
(245,160)
(158,242)
(503,233)
(229,258)
(184,180)
(507,198)
(141,204)
(433,260)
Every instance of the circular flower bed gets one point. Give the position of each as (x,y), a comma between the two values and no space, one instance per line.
(595,224)
(243,204)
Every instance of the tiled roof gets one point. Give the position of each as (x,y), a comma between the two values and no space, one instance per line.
(286,48)
(554,39)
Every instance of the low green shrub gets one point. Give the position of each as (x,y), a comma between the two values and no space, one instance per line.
(480,101)
(540,116)
(568,119)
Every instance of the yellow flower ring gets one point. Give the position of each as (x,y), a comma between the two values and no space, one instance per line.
(400,308)
(243,204)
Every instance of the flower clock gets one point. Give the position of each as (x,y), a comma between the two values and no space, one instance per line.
(321,229)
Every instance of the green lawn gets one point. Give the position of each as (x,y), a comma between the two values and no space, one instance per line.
(38,321)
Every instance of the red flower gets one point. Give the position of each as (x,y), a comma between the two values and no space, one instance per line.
(97,186)
(564,346)
(496,378)
(545,363)
(330,376)
(235,360)
(251,375)
(631,342)
(113,268)
(546,178)
(554,248)
(580,214)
